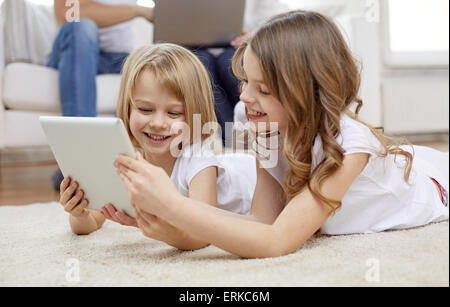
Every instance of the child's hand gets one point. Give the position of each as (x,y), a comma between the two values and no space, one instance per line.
(73,203)
(158,229)
(110,212)
(149,187)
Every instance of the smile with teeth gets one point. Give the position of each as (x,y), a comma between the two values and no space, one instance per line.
(157,138)
(255,113)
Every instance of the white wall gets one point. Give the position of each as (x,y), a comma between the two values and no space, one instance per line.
(415,102)
(414,73)
(2,64)
(404,100)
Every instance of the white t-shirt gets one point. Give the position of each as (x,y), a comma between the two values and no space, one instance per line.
(119,37)
(379,199)
(236,179)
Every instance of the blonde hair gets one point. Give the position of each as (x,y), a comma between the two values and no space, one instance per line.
(309,68)
(178,70)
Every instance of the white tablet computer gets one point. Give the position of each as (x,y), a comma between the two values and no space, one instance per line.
(85,149)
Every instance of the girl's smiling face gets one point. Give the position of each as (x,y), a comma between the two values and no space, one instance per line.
(155,111)
(261,106)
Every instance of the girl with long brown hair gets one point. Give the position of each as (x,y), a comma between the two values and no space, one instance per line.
(335,173)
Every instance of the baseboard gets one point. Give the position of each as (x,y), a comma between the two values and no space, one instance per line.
(10,156)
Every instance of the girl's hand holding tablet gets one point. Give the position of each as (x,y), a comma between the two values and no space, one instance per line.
(149,188)
(73,203)
(82,221)
(111,213)
(158,229)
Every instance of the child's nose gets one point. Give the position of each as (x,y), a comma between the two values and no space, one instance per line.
(247,98)
(158,121)
(247,94)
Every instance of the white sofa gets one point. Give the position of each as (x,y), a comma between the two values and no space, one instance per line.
(28,91)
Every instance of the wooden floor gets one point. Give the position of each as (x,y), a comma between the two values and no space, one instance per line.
(25,182)
(25,176)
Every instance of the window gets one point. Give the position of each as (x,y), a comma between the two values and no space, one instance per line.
(415,33)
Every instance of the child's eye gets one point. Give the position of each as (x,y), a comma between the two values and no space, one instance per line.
(145,110)
(174,114)
(264,93)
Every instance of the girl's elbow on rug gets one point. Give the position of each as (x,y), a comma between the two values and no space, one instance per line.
(281,249)
(274,245)
(285,242)
(82,232)
(192,247)
(188,243)
(269,252)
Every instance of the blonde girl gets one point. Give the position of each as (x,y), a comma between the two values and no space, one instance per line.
(335,174)
(164,88)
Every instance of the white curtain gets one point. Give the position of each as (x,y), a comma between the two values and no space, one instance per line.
(28,31)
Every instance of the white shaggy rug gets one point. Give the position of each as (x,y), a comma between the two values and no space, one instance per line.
(37,248)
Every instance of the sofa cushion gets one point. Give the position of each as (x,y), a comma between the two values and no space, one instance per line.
(30,87)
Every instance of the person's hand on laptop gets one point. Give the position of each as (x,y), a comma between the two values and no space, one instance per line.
(111,213)
(239,40)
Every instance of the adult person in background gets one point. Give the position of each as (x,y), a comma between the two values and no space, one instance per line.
(96,44)
(225,84)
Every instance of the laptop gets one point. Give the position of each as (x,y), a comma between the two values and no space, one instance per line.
(198,23)
(85,149)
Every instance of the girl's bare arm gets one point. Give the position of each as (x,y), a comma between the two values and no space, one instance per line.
(301,218)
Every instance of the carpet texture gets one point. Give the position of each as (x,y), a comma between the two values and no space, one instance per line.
(37,248)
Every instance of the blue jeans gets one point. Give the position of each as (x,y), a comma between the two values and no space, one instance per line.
(225,85)
(76,54)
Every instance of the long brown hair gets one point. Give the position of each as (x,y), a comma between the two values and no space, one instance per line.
(309,68)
